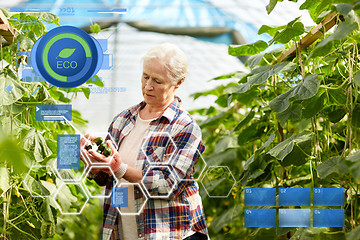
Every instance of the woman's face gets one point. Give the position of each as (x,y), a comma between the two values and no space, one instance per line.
(158,90)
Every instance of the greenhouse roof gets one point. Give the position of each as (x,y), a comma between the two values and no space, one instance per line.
(207,59)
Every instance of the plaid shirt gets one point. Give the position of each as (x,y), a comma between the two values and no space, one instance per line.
(175,207)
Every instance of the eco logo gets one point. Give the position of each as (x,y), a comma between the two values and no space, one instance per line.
(66,57)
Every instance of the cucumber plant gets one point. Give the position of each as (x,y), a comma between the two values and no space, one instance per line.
(289,122)
(25,142)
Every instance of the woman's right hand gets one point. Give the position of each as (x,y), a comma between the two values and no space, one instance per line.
(85,157)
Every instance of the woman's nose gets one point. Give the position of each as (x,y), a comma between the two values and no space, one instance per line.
(148,85)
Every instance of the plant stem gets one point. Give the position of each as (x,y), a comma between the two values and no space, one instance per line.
(300,60)
(13,225)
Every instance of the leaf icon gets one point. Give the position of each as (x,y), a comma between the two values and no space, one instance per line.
(66,52)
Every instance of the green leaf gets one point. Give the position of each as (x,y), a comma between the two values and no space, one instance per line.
(249,133)
(316,8)
(303,90)
(343,8)
(95,28)
(66,174)
(314,105)
(36,187)
(284,67)
(332,165)
(281,150)
(13,155)
(223,158)
(292,112)
(35,142)
(355,171)
(237,74)
(255,59)
(46,212)
(247,97)
(226,218)
(50,18)
(66,52)
(346,10)
(48,185)
(58,95)
(78,120)
(335,113)
(270,30)
(292,29)
(258,151)
(228,141)
(223,100)
(336,97)
(307,88)
(214,120)
(355,120)
(257,168)
(353,234)
(258,78)
(10,89)
(86,92)
(247,49)
(47,228)
(25,43)
(65,198)
(4,179)
(271,6)
(40,94)
(354,157)
(96,81)
(341,32)
(299,154)
(244,121)
(356,79)
(216,92)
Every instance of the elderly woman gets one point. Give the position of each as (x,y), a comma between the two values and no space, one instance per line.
(145,135)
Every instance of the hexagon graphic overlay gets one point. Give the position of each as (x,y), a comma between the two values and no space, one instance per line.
(159,148)
(160,180)
(71,198)
(218,181)
(92,188)
(40,181)
(136,199)
(183,160)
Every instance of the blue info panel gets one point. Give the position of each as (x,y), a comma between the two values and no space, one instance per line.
(119,197)
(260,196)
(294,196)
(68,151)
(328,218)
(328,197)
(294,217)
(260,217)
(58,112)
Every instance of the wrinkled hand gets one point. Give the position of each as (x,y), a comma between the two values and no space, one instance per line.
(113,160)
(84,141)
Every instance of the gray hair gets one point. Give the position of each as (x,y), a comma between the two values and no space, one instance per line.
(172,58)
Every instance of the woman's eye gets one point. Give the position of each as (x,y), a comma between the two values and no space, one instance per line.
(146,77)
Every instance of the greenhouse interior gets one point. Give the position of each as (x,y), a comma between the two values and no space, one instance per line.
(180,119)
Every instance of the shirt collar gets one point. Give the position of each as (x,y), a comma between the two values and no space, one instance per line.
(169,113)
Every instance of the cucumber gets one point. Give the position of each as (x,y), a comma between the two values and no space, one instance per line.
(98,141)
(107,152)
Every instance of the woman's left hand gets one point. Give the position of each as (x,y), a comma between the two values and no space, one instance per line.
(113,160)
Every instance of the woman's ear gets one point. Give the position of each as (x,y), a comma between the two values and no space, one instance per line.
(179,83)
